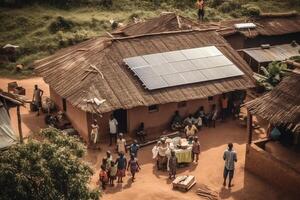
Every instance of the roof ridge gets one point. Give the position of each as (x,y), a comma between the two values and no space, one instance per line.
(164,33)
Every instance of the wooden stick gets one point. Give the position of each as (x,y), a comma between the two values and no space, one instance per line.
(19,124)
(94,67)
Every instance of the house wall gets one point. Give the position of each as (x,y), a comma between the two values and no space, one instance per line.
(264,165)
(56,98)
(160,120)
(77,117)
(236,41)
(272,40)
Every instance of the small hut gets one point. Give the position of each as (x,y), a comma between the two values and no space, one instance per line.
(274,161)
(281,106)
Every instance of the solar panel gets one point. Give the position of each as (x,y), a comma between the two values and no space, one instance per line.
(193,76)
(145,72)
(163,69)
(174,56)
(244,25)
(174,79)
(155,59)
(156,82)
(181,67)
(135,62)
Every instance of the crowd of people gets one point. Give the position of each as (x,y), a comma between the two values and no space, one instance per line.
(229,105)
(112,170)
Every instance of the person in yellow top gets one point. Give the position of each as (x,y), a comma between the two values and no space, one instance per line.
(200,7)
(190,130)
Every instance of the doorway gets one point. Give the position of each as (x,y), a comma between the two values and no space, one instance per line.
(121,117)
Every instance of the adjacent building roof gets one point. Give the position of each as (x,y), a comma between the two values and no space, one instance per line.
(7,135)
(95,68)
(266,25)
(281,106)
(10,100)
(164,23)
(274,53)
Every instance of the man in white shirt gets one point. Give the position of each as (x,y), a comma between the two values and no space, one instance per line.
(230,158)
(113,129)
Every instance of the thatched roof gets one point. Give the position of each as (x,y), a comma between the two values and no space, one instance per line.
(281,106)
(164,23)
(266,25)
(66,71)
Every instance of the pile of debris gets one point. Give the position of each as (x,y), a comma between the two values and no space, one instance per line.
(207,193)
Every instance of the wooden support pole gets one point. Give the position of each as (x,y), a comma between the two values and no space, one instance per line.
(19,124)
(249,127)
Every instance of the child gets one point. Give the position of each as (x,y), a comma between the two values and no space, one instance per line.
(103,178)
(121,165)
(121,144)
(134,148)
(112,172)
(196,149)
(134,166)
(172,165)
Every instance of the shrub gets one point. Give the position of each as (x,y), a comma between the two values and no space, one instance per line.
(47,169)
(60,24)
(214,3)
(229,6)
(250,10)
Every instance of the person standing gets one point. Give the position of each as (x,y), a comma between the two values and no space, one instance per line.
(121,165)
(94,132)
(230,158)
(109,159)
(113,172)
(196,149)
(172,163)
(134,147)
(37,98)
(113,128)
(224,106)
(133,165)
(121,144)
(103,178)
(200,7)
(162,155)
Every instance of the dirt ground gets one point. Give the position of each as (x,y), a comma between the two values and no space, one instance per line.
(153,184)
(30,122)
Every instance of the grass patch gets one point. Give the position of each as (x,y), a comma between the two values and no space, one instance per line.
(41,30)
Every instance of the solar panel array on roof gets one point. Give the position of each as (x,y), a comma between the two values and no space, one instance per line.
(181,67)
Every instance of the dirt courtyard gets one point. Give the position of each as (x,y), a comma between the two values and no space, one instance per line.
(153,184)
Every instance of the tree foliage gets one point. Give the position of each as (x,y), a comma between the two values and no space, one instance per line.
(272,75)
(48,169)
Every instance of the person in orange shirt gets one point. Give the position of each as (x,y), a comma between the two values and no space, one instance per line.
(224,106)
(200,7)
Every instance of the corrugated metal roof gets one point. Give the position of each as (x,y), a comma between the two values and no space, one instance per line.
(274,53)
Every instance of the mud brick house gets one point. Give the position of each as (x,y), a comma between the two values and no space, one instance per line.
(144,77)
(273,29)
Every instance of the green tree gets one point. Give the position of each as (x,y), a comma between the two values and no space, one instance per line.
(48,169)
(272,75)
